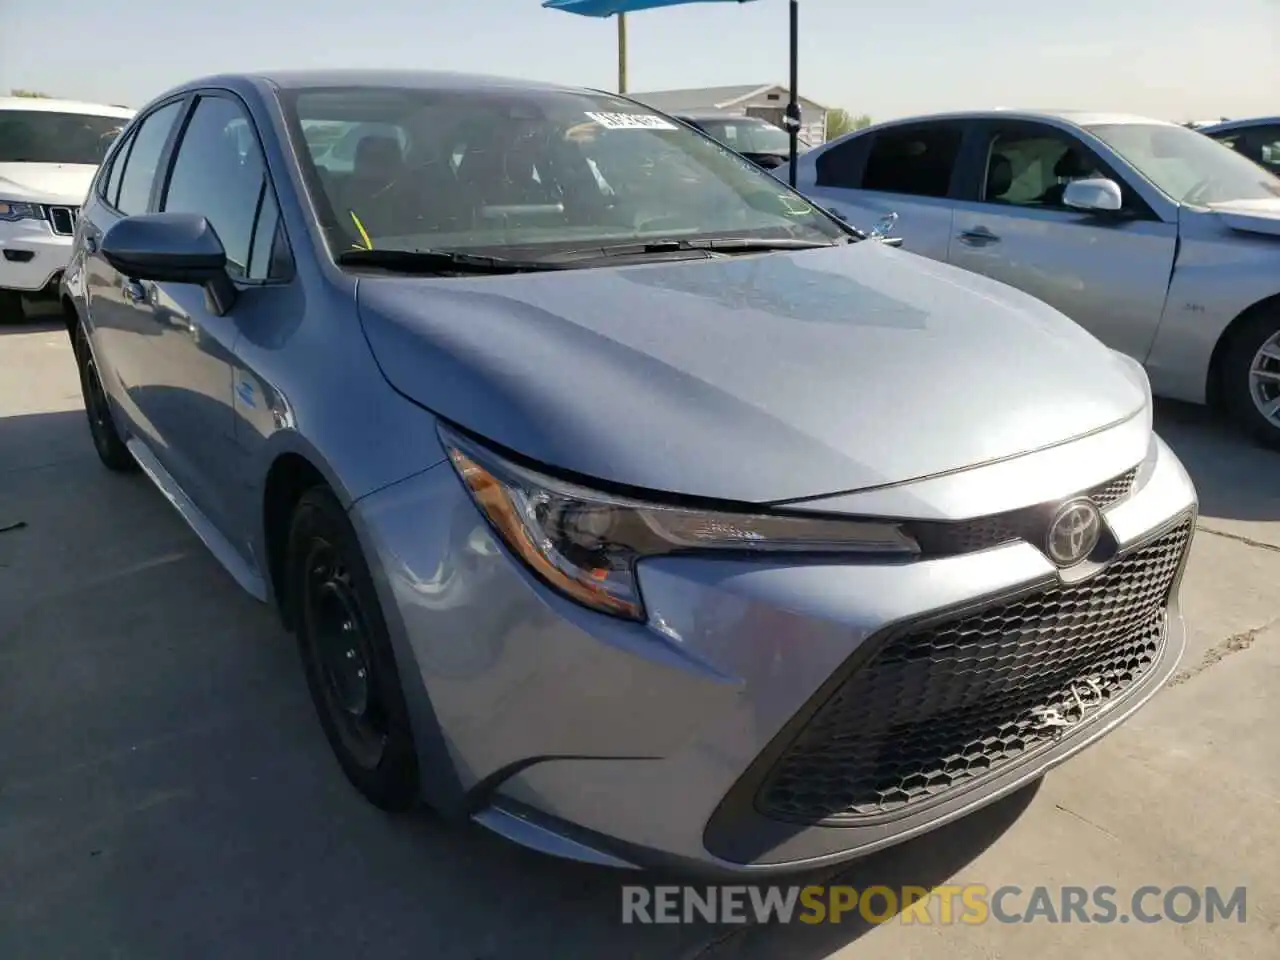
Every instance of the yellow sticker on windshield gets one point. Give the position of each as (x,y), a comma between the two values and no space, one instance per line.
(632,121)
(794,205)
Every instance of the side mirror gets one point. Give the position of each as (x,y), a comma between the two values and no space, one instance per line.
(1097,194)
(171,248)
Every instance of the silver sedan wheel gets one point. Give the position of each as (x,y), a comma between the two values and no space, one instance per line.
(1264,379)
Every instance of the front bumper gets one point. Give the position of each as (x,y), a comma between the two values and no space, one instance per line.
(634,744)
(32,256)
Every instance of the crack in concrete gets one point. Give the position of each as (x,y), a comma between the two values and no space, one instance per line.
(1083,819)
(1239,538)
(1220,651)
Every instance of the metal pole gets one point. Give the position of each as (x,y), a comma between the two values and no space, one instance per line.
(793,108)
(622,53)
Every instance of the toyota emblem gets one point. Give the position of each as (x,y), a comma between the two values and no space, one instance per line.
(1074,532)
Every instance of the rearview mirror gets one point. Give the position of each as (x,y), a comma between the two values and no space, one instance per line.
(171,248)
(1097,194)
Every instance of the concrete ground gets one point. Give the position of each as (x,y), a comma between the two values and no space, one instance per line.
(165,790)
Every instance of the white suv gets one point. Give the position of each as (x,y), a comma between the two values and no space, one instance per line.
(49,151)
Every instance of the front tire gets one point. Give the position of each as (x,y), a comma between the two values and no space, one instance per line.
(1251,377)
(102,428)
(347,656)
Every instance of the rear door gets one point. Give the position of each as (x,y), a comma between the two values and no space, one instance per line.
(122,332)
(908,170)
(1109,273)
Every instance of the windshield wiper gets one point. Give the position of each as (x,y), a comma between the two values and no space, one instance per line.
(436,261)
(711,244)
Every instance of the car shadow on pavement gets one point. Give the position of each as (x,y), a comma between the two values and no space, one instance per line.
(166,790)
(1236,479)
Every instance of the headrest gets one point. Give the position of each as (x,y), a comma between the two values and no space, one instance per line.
(1071,166)
(378,153)
(999,176)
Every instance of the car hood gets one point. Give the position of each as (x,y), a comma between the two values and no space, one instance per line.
(64,183)
(754,379)
(1250,216)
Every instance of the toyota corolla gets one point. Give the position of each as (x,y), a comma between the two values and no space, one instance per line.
(621,500)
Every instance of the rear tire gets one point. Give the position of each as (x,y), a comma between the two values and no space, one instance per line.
(11,309)
(102,428)
(347,655)
(1250,377)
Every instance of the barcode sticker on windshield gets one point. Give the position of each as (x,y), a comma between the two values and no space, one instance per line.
(631,121)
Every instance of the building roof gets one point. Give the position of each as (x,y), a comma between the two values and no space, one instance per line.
(702,98)
(52,105)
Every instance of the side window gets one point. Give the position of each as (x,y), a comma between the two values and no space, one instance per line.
(219,173)
(1266,147)
(840,166)
(918,161)
(110,191)
(1032,167)
(139,174)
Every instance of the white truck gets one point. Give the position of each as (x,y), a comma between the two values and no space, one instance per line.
(49,151)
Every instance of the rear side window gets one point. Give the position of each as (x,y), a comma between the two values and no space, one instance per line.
(840,165)
(139,174)
(918,161)
(111,191)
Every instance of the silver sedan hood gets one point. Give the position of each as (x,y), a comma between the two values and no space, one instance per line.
(754,379)
(1250,216)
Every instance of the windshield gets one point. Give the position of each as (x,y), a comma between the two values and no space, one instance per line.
(749,136)
(38,136)
(1188,166)
(524,173)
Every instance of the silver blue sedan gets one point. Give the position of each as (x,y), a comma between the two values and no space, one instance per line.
(1162,243)
(621,500)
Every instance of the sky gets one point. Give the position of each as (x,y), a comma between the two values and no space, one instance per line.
(1173,59)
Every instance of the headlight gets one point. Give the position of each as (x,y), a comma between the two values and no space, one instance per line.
(11,210)
(585,544)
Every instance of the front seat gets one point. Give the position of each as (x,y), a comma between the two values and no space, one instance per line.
(999,177)
(1070,166)
(375,190)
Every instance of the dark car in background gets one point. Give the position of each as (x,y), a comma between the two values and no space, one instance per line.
(761,142)
(1258,138)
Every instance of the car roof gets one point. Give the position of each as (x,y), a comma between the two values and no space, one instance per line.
(404,79)
(1227,125)
(51,105)
(1079,118)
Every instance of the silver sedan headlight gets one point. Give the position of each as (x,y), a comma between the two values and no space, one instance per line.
(585,543)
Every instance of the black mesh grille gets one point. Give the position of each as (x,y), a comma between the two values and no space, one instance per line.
(969,536)
(938,707)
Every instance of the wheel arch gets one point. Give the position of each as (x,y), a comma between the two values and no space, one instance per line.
(1214,384)
(290,475)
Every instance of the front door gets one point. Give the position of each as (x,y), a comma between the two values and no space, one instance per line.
(218,172)
(1108,273)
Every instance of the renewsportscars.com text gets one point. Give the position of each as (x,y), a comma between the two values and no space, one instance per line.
(942,905)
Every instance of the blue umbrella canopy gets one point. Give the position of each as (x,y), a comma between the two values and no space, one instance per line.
(609,8)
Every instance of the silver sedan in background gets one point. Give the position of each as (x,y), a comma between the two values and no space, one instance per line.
(1162,243)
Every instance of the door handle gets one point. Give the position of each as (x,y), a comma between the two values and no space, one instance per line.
(134,292)
(978,237)
(91,243)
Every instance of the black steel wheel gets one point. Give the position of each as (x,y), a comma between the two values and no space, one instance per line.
(347,655)
(102,428)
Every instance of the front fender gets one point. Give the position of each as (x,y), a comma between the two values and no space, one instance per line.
(1218,275)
